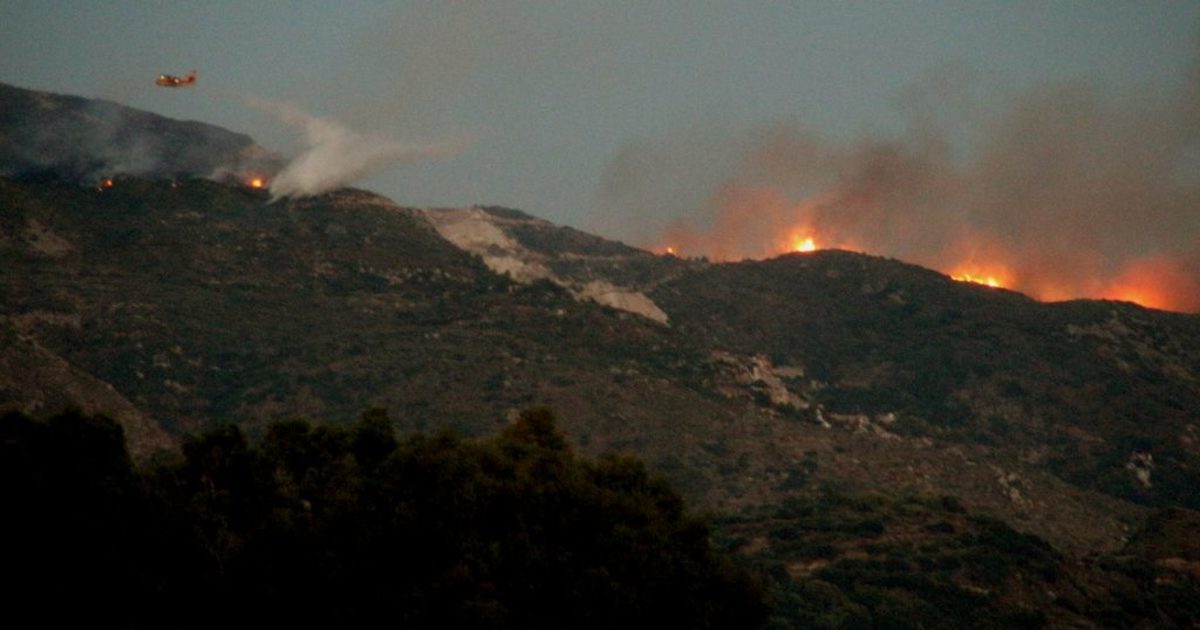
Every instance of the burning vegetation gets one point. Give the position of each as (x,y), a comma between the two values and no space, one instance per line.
(984,280)
(805,244)
(1059,192)
(1049,239)
(1163,282)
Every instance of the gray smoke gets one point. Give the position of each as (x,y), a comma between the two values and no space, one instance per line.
(85,140)
(335,155)
(1064,192)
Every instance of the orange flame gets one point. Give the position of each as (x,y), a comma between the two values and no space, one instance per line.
(805,244)
(990,281)
(105,184)
(980,257)
(762,222)
(1156,282)
(256,182)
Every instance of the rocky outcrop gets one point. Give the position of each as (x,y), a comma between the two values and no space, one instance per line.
(755,377)
(486,234)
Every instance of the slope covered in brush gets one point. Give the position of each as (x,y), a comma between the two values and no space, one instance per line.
(179,304)
(1105,393)
(200,301)
(79,139)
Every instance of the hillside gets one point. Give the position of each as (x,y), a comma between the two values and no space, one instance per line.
(1102,394)
(202,302)
(199,303)
(1105,394)
(177,302)
(67,137)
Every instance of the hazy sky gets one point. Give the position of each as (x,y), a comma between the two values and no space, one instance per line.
(545,96)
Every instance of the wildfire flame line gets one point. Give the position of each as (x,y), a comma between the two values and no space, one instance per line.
(990,281)
(804,245)
(1158,282)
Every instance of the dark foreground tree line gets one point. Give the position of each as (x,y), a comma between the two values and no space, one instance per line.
(344,527)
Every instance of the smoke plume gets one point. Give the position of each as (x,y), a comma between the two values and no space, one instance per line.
(1059,193)
(335,155)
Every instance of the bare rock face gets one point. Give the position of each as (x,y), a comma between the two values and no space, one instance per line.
(1142,467)
(489,235)
(756,377)
(616,297)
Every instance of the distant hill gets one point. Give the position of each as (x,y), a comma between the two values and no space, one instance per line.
(1105,394)
(85,140)
(177,299)
(1102,394)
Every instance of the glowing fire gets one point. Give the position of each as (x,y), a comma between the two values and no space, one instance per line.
(805,244)
(1156,282)
(756,223)
(256,182)
(990,281)
(105,184)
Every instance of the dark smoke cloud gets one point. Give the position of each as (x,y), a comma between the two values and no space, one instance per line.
(1062,191)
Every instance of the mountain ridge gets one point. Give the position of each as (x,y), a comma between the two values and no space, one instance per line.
(178,303)
(87,140)
(486,345)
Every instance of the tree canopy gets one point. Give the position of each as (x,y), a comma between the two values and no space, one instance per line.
(327,525)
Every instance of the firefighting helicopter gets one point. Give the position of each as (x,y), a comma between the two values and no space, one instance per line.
(170,80)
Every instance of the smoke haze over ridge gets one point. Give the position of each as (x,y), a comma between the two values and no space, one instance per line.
(553,91)
(87,140)
(1060,191)
(334,155)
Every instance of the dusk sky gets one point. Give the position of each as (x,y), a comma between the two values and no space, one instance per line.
(624,118)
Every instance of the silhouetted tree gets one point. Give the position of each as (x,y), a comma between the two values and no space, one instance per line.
(330,526)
